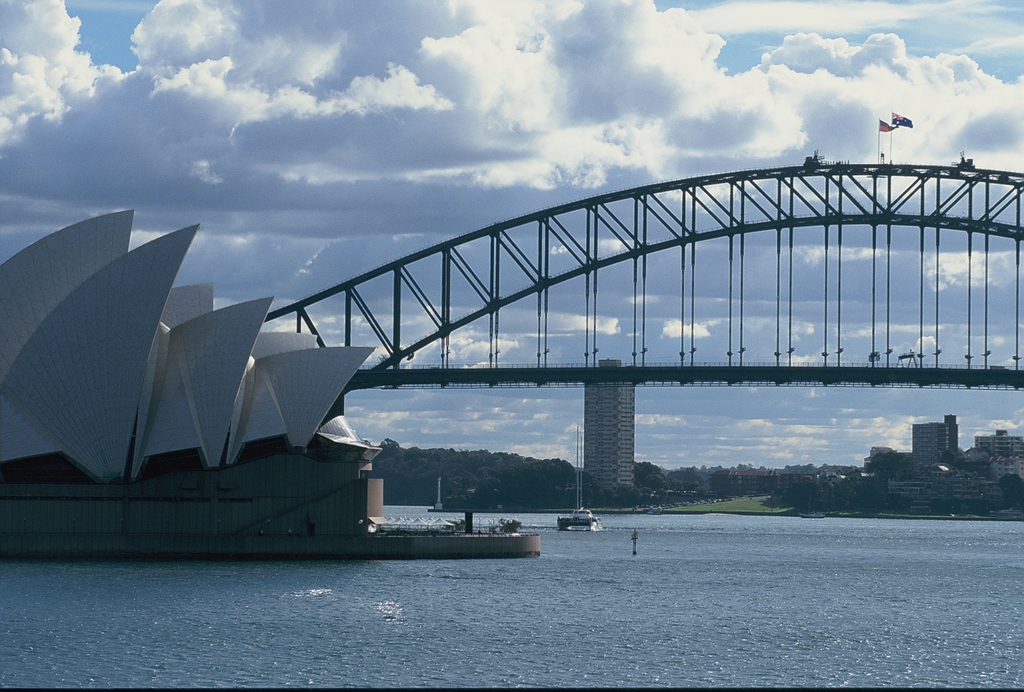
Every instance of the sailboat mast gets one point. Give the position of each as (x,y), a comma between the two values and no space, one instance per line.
(579,472)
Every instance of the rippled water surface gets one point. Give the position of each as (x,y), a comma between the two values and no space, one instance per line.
(709,600)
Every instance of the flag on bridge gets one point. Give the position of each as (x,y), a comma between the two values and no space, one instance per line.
(884,126)
(899,121)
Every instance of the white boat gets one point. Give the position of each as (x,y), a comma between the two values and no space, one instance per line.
(581,519)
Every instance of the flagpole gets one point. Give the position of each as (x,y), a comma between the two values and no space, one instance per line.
(890,145)
(878,147)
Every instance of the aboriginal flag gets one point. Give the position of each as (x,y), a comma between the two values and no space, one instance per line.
(885,127)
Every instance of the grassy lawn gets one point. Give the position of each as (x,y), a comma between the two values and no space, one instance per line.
(738,506)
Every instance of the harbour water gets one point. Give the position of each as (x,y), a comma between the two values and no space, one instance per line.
(709,600)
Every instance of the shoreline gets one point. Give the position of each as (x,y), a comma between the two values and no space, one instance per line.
(791,512)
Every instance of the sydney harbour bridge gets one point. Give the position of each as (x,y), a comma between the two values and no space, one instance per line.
(825,273)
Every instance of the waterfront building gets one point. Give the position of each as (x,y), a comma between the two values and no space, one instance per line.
(608,423)
(930,440)
(941,482)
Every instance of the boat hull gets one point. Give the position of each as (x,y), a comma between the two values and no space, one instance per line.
(575,524)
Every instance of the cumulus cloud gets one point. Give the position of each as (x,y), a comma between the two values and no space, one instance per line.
(41,72)
(317,144)
(541,94)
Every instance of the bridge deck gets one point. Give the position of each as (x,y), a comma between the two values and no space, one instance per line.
(701,375)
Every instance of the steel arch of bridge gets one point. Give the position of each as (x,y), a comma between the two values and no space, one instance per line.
(679,215)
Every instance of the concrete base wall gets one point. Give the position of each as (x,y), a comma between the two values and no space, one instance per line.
(157,547)
(278,494)
(287,506)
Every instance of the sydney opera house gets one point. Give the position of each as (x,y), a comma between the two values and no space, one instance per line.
(137,420)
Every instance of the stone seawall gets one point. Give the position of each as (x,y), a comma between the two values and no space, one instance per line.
(206,547)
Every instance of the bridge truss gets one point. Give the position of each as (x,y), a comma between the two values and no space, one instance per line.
(742,272)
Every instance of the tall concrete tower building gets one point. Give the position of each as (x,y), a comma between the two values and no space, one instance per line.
(932,439)
(608,421)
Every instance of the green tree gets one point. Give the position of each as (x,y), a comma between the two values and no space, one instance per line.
(895,466)
(1013,491)
(649,477)
(809,494)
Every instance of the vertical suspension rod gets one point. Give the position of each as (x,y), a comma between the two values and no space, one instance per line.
(839,274)
(682,303)
(396,316)
(874,257)
(586,291)
(1016,308)
(920,299)
(985,342)
(540,277)
(970,266)
(729,352)
(839,289)
(824,349)
(635,271)
(888,269)
(743,240)
(547,289)
(938,202)
(693,271)
(643,288)
(596,246)
(888,294)
(1016,299)
(937,269)
(778,270)
(789,343)
(920,294)
(348,318)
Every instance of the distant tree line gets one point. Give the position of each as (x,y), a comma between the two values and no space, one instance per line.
(481,479)
(486,480)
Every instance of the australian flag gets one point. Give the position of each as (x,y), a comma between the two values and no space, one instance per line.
(899,121)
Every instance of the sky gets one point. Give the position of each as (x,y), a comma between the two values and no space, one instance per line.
(312,145)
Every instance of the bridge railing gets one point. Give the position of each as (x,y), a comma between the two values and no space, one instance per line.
(703,364)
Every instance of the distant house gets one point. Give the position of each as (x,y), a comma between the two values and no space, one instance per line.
(1000,466)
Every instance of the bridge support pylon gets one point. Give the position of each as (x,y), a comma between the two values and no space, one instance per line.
(609,420)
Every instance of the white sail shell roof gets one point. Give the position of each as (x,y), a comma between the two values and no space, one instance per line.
(101,356)
(187,302)
(337,429)
(260,416)
(207,358)
(300,386)
(18,438)
(83,369)
(152,386)
(40,277)
(272,343)
(171,424)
